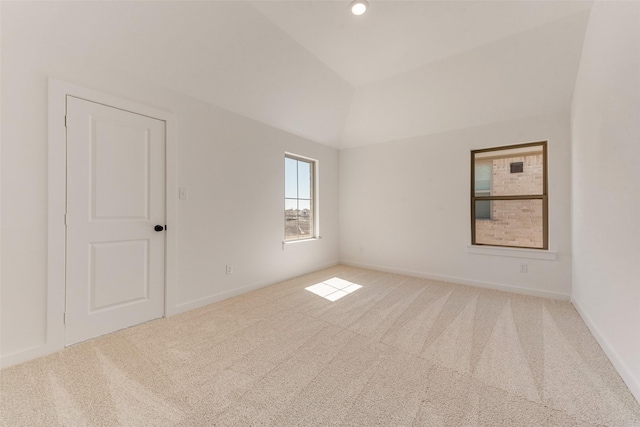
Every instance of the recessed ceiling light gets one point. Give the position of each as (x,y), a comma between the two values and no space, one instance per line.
(358,7)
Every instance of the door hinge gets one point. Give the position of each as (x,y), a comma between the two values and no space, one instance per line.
(66,219)
(65,121)
(64,318)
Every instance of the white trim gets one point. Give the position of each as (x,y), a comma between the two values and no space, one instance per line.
(171,212)
(286,243)
(27,354)
(462,281)
(58,90)
(625,373)
(316,195)
(513,252)
(201,302)
(295,156)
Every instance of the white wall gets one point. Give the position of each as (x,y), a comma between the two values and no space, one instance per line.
(404,206)
(606,190)
(232,166)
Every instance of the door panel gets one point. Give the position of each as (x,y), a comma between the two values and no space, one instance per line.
(126,283)
(120,156)
(115,197)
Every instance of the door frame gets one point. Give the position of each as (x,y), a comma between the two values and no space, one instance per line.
(57,192)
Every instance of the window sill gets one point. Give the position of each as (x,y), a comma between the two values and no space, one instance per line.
(293,242)
(513,252)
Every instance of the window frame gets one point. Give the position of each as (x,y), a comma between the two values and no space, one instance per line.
(313,166)
(544,196)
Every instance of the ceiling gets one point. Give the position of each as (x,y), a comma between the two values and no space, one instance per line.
(424,67)
(394,37)
(313,69)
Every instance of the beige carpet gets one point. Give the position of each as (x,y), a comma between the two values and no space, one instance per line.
(398,351)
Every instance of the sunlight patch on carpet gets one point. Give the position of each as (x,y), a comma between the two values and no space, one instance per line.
(333,289)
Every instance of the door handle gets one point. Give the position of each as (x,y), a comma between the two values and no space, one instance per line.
(158,228)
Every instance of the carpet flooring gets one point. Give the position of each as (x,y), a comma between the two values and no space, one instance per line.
(393,351)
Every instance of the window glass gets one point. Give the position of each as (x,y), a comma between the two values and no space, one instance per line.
(304,180)
(513,223)
(290,185)
(483,209)
(483,188)
(494,171)
(483,178)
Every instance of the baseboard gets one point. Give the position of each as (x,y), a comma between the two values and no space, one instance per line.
(201,302)
(462,281)
(27,354)
(627,376)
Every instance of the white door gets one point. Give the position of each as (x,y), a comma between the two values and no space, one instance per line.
(115,200)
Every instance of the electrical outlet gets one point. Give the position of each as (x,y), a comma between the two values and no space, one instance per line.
(524,268)
(229,269)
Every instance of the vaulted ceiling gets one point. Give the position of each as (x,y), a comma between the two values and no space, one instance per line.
(421,67)
(313,69)
(395,37)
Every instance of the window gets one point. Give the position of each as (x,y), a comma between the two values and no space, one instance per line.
(299,195)
(509,205)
